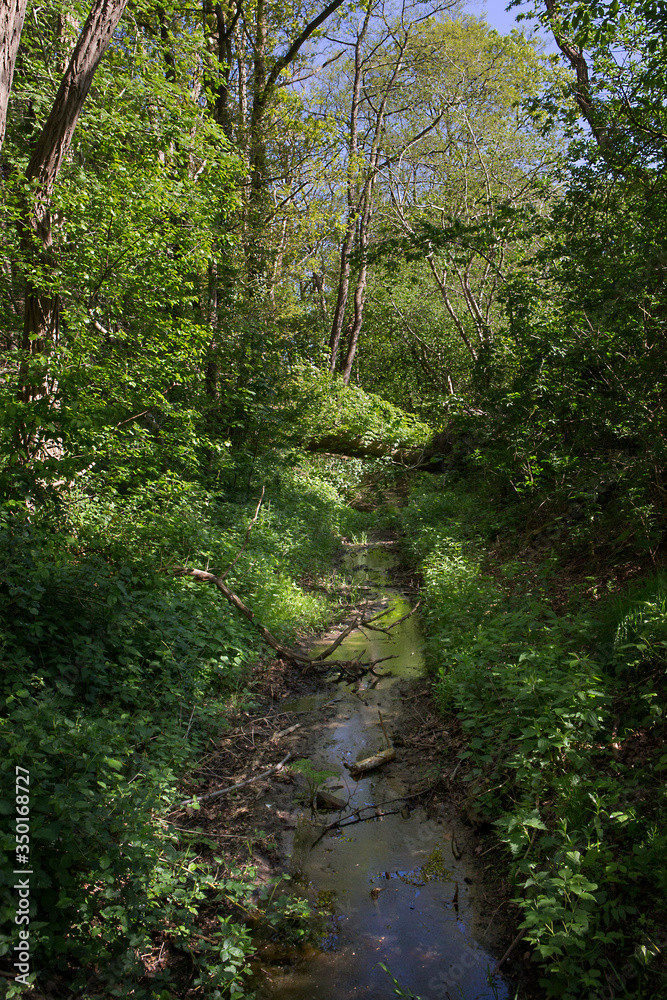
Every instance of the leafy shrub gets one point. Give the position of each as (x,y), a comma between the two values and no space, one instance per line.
(117,675)
(331,409)
(539,708)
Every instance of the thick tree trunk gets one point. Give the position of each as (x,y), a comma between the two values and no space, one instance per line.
(167,53)
(12,16)
(226,22)
(341,300)
(58,130)
(41,304)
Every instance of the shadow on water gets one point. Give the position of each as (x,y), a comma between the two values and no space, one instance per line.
(397,896)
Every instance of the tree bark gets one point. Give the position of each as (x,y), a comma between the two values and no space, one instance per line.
(226,22)
(12,16)
(578,63)
(56,137)
(343,291)
(40,326)
(352,197)
(167,54)
(355,329)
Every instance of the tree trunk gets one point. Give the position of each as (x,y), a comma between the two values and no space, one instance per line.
(12,16)
(226,22)
(360,204)
(257,140)
(355,330)
(40,325)
(167,54)
(341,300)
(352,197)
(318,285)
(577,61)
(362,278)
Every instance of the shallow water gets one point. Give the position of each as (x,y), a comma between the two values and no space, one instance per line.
(397,894)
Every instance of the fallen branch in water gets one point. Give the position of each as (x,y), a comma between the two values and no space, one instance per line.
(360,623)
(232,788)
(405,617)
(373,664)
(387,628)
(371,763)
(353,669)
(287,652)
(356,817)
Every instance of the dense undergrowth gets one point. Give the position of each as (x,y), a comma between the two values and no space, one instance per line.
(566,755)
(116,676)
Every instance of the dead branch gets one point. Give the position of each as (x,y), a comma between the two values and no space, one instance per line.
(405,617)
(356,668)
(387,628)
(236,602)
(358,623)
(290,654)
(341,638)
(232,788)
(285,732)
(374,628)
(373,664)
(342,820)
(509,951)
(371,763)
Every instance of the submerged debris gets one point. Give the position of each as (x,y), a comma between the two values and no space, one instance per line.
(371,763)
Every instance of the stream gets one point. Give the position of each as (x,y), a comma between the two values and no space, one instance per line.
(397,893)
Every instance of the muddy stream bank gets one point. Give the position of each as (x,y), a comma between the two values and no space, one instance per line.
(402,888)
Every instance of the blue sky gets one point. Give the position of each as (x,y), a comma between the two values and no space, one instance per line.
(494,12)
(502,20)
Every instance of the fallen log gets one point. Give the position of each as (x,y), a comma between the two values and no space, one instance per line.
(409,458)
(371,763)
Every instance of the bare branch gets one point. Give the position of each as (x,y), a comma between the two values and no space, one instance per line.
(232,788)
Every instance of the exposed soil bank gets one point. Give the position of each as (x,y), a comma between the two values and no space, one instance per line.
(400,880)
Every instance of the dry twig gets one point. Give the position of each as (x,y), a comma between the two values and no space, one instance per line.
(223,791)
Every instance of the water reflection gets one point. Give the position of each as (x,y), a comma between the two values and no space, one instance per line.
(397,896)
